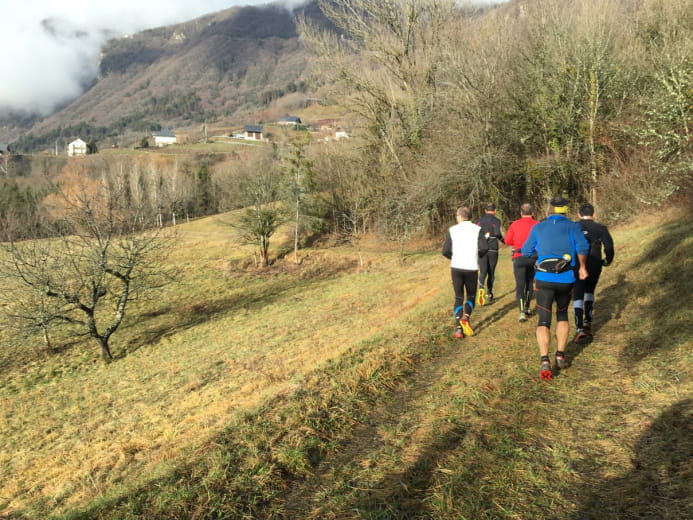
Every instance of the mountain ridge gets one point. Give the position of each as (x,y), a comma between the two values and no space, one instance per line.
(225,65)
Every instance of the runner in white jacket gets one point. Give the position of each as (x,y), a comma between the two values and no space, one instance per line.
(464,243)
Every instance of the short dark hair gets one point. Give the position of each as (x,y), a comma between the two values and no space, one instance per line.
(464,212)
(559,201)
(586,210)
(490,207)
(526,209)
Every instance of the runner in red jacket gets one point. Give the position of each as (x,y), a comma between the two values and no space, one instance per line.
(523,267)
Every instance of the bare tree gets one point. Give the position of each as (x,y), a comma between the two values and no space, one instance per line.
(386,60)
(299,182)
(263,213)
(5,162)
(101,258)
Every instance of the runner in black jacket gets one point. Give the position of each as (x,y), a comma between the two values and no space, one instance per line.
(583,294)
(491,228)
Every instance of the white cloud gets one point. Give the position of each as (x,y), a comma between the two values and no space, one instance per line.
(51,48)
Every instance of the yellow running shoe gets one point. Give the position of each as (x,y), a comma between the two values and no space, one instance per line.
(466,327)
(481,297)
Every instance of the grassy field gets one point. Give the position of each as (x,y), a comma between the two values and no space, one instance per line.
(335,390)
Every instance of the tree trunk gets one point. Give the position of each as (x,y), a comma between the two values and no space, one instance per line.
(105,350)
(594,109)
(46,338)
(298,214)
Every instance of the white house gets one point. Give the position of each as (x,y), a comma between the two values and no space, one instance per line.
(289,120)
(77,148)
(253,132)
(163,138)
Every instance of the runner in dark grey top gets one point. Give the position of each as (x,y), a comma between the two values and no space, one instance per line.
(599,238)
(491,228)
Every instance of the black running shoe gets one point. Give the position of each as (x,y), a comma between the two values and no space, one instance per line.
(587,329)
(580,336)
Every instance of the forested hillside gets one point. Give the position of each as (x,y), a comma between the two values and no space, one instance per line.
(445,105)
(228,65)
(532,98)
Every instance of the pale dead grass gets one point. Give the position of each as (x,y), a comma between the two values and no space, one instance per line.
(68,439)
(104,425)
(536,450)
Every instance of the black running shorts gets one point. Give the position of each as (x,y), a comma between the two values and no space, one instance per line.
(548,292)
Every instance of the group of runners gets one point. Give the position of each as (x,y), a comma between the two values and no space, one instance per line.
(555,259)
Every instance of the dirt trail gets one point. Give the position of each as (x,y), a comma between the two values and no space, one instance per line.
(412,426)
(389,462)
(404,411)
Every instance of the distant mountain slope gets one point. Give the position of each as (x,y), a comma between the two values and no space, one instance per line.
(228,64)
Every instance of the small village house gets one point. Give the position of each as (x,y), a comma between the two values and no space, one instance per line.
(289,120)
(253,132)
(163,137)
(77,148)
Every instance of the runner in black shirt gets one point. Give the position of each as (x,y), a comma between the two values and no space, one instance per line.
(583,293)
(491,228)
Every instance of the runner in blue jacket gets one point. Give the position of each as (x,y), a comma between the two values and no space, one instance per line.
(559,245)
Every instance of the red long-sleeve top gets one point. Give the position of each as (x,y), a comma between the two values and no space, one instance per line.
(518,232)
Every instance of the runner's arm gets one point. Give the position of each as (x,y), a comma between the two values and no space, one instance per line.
(582,270)
(483,243)
(608,243)
(447,246)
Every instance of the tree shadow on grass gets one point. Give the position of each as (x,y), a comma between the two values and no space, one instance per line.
(498,313)
(662,279)
(611,301)
(190,316)
(660,485)
(667,290)
(403,495)
(194,314)
(609,305)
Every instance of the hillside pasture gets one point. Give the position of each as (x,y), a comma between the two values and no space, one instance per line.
(332,390)
(222,340)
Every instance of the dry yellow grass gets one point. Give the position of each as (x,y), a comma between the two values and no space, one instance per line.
(469,433)
(221,341)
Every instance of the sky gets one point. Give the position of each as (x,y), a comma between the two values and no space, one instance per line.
(50,48)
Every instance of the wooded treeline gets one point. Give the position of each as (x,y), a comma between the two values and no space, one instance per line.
(510,104)
(456,106)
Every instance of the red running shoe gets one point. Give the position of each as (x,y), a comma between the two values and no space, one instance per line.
(545,371)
